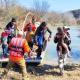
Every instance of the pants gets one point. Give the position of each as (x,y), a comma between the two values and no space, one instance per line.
(22,65)
(61,61)
(5,50)
(30,44)
(40,42)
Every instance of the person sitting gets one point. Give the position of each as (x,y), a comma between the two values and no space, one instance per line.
(40,37)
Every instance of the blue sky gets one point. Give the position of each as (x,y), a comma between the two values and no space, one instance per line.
(55,5)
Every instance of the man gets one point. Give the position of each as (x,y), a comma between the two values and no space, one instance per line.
(62,48)
(18,47)
(40,38)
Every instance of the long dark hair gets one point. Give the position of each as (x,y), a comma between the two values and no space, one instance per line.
(42,25)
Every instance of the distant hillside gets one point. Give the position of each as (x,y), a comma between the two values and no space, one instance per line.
(76,13)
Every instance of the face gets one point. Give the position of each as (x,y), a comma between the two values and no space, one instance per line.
(14,23)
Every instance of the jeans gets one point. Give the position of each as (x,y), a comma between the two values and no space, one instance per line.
(40,45)
(5,50)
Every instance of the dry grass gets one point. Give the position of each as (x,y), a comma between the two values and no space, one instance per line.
(47,72)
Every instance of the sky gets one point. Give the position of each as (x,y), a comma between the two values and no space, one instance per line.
(55,5)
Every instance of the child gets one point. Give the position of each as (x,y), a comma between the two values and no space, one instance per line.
(4,37)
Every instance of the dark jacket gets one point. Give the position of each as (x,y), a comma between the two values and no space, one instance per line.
(40,31)
(9,26)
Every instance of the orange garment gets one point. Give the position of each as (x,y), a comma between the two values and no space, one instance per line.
(30,26)
(18,46)
(29,36)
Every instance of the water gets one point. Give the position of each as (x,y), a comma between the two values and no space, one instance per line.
(75,45)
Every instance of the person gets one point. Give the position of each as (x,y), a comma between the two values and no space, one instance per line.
(30,38)
(11,25)
(59,39)
(4,37)
(18,48)
(68,39)
(62,48)
(40,37)
(30,25)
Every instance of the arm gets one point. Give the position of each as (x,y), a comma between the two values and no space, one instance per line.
(26,47)
(67,39)
(8,26)
(55,38)
(49,32)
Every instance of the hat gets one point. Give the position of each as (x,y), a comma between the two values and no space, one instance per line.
(66,27)
(20,33)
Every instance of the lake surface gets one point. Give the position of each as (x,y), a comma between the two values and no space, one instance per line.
(51,54)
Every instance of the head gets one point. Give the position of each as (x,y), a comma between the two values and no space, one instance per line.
(20,34)
(65,28)
(33,19)
(43,25)
(59,29)
(13,21)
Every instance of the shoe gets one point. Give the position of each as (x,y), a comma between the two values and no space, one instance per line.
(61,73)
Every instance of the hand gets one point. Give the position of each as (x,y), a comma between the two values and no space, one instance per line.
(49,38)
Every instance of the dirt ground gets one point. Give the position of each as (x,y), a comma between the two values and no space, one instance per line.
(46,72)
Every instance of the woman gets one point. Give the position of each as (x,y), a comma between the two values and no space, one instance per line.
(40,37)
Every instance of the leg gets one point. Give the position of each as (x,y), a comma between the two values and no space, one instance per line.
(8,67)
(44,45)
(5,51)
(40,46)
(66,48)
(61,64)
(30,44)
(23,68)
(39,52)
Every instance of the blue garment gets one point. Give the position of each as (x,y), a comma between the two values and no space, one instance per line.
(5,50)
(40,41)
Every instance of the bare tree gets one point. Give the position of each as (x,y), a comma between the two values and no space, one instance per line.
(7,3)
(41,7)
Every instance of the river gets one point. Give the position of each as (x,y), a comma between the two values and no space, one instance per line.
(51,54)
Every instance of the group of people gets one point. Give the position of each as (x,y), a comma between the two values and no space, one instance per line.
(15,46)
